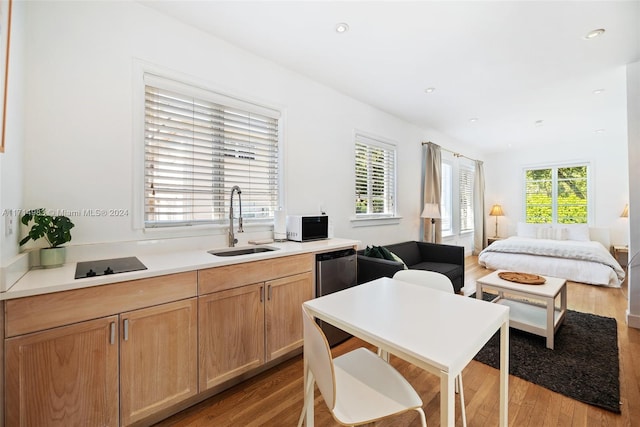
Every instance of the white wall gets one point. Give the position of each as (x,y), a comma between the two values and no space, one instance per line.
(79,140)
(633,105)
(609,179)
(79,130)
(11,161)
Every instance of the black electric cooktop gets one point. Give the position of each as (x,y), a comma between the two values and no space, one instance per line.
(108,266)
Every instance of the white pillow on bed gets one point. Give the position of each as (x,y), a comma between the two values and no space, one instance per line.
(560,233)
(578,232)
(545,232)
(527,230)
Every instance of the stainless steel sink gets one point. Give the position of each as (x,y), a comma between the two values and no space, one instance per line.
(242,251)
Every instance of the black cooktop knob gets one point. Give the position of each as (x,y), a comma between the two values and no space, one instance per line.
(108,271)
(91,273)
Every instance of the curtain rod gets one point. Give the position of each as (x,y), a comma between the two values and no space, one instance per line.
(455,154)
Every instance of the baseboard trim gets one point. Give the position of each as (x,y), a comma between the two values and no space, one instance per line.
(633,320)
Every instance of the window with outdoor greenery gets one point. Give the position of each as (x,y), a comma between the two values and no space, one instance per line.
(197,146)
(375,177)
(557,195)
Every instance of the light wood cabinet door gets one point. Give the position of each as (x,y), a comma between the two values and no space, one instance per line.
(158,358)
(67,376)
(284,312)
(231,333)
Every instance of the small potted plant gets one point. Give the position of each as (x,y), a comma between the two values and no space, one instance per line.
(55,230)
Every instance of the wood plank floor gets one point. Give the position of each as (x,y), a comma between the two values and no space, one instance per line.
(274,398)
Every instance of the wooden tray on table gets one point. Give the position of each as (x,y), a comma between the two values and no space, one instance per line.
(524,278)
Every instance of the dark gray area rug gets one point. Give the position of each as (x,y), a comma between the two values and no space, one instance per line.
(583,366)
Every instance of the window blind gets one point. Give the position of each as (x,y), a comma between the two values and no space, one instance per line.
(375,177)
(445,198)
(465,179)
(196,150)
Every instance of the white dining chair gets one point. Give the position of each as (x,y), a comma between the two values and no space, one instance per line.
(358,387)
(439,282)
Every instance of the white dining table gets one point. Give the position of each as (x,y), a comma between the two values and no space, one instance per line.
(437,331)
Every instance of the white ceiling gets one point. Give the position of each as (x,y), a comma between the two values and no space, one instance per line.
(506,63)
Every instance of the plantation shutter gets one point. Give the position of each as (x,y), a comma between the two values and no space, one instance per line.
(446,191)
(465,177)
(198,145)
(375,177)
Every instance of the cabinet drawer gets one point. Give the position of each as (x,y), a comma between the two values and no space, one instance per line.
(29,314)
(231,276)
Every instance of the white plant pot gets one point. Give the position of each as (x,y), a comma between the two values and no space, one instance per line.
(52,257)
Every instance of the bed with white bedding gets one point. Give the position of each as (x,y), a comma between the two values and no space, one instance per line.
(561,251)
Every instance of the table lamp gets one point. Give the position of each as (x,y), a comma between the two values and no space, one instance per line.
(625,211)
(431,210)
(496,210)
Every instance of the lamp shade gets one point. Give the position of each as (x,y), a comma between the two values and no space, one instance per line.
(496,210)
(431,210)
(625,211)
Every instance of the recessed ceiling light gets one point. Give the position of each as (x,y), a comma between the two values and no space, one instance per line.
(429,89)
(342,27)
(598,131)
(598,91)
(593,34)
(473,119)
(539,123)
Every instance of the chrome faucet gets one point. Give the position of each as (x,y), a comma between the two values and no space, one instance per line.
(232,238)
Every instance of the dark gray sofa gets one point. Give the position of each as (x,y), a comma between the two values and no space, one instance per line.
(445,259)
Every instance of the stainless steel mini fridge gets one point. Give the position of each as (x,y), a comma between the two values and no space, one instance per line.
(335,271)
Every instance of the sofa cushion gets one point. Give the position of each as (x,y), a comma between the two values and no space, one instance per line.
(407,251)
(452,271)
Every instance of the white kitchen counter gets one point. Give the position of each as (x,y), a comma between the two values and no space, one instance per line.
(43,281)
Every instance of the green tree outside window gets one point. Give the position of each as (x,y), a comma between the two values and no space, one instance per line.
(557,195)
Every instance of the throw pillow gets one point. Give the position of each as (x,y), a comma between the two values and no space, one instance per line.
(398,259)
(385,253)
(579,232)
(382,252)
(560,233)
(545,233)
(373,252)
(526,230)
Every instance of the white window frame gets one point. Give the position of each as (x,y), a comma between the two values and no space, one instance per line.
(373,142)
(144,74)
(554,188)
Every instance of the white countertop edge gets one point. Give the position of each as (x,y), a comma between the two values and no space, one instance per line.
(43,281)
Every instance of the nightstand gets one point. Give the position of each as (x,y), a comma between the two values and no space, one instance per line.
(490,240)
(621,254)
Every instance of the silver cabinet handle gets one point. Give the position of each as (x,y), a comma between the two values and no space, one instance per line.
(112,339)
(269,294)
(261,293)
(126,329)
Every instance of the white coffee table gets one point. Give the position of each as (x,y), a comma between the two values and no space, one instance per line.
(539,314)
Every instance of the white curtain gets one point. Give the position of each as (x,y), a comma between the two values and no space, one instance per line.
(432,188)
(479,221)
